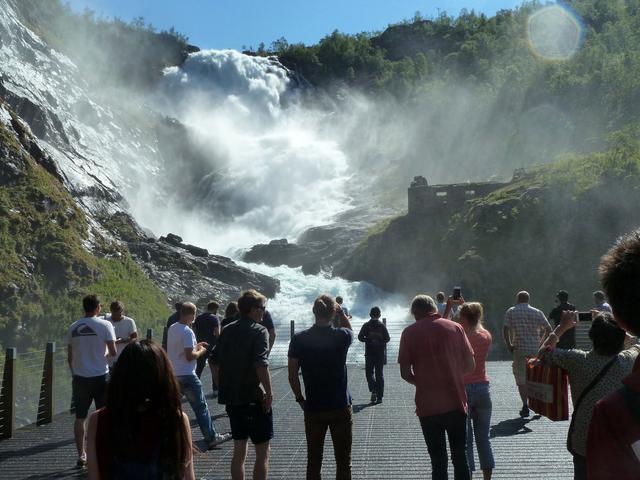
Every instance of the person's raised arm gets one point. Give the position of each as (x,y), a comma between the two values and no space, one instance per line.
(567,322)
(345,323)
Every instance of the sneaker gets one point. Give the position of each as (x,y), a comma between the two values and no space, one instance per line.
(220,438)
(524,412)
(82,461)
(374,398)
(379,400)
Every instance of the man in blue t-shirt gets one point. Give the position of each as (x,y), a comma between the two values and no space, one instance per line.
(321,353)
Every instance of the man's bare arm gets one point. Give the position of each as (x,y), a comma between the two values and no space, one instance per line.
(506,335)
(265,379)
(111,347)
(406,372)
(294,379)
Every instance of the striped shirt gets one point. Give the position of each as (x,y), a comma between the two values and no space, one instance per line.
(526,325)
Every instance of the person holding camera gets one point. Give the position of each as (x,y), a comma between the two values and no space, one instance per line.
(524,329)
(321,353)
(375,336)
(592,375)
(613,442)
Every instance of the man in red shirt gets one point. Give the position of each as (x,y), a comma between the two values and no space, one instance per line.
(435,354)
(613,444)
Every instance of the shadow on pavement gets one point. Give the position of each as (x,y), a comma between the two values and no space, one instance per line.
(361,406)
(514,426)
(69,473)
(34,450)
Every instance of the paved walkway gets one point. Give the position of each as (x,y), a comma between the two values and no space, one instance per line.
(388,443)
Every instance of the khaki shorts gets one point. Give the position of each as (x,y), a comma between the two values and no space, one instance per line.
(520,366)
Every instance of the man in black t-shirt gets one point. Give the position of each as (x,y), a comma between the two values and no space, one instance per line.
(241,370)
(567,340)
(207,329)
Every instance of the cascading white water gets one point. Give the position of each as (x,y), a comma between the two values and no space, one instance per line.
(271,173)
(282,174)
(296,297)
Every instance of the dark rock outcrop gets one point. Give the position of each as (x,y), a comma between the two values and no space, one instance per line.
(183,271)
(318,248)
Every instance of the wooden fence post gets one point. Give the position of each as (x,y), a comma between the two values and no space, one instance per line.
(45,405)
(8,395)
(149,333)
(293,328)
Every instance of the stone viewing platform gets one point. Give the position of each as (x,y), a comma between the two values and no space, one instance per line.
(387,444)
(447,198)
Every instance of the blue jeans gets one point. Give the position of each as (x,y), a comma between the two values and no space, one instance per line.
(192,389)
(478,422)
(433,428)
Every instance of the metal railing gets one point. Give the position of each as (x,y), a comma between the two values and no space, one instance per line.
(36,385)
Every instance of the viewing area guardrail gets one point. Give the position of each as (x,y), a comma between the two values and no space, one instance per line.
(36,385)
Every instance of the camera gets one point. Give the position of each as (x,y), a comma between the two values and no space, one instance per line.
(457,292)
(583,316)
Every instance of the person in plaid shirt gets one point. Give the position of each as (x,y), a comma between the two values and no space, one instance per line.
(524,330)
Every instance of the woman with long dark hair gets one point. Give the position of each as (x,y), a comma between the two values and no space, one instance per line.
(142,432)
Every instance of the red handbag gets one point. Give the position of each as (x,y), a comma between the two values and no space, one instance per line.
(547,390)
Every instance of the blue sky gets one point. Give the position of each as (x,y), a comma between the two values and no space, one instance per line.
(234,23)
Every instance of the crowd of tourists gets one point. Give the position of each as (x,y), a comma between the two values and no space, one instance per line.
(139,429)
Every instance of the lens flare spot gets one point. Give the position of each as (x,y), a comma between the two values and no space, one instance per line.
(554,33)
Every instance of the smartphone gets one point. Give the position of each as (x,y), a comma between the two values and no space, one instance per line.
(584,316)
(456,293)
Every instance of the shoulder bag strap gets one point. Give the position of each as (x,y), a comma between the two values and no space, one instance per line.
(584,393)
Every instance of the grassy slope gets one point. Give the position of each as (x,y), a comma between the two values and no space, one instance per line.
(46,267)
(544,232)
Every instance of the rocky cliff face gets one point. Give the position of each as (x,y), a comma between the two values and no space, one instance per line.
(544,232)
(66,153)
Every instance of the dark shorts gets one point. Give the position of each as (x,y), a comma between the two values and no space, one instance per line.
(250,421)
(86,390)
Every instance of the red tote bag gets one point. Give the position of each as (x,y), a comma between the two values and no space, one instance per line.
(547,390)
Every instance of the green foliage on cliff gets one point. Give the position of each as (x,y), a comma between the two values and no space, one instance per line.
(47,265)
(107,50)
(543,232)
(472,87)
